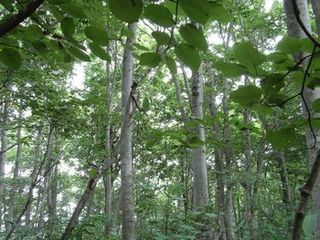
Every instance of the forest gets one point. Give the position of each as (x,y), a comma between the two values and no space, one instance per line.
(160,119)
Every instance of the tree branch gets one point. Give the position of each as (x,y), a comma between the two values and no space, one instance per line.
(15,20)
(305,195)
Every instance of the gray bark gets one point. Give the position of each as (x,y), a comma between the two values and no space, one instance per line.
(3,155)
(310,95)
(127,204)
(316,12)
(200,179)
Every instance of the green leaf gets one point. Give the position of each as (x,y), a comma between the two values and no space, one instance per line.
(262,109)
(171,64)
(99,51)
(73,9)
(282,138)
(150,59)
(248,55)
(198,11)
(146,104)
(161,37)
(126,10)
(316,105)
(97,35)
(194,36)
(195,142)
(219,13)
(246,95)
(67,26)
(188,55)
(76,52)
(309,224)
(159,14)
(277,57)
(40,46)
(231,69)
(11,58)
(290,45)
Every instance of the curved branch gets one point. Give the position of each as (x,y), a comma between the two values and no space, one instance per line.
(301,24)
(15,20)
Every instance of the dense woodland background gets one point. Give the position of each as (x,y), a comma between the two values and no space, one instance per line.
(193,120)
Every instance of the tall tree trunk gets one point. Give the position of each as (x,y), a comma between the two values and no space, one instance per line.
(12,194)
(228,165)
(107,178)
(200,181)
(36,157)
(310,95)
(3,155)
(316,12)
(127,204)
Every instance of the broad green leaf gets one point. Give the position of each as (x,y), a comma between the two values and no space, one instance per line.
(11,58)
(73,9)
(277,57)
(150,59)
(126,10)
(162,38)
(188,55)
(67,26)
(309,224)
(146,104)
(316,105)
(159,14)
(248,55)
(219,13)
(40,46)
(195,142)
(246,95)
(262,109)
(171,64)
(97,35)
(99,51)
(290,45)
(141,47)
(231,69)
(198,11)
(282,138)
(76,52)
(194,36)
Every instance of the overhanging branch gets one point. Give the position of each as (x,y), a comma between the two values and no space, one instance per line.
(15,20)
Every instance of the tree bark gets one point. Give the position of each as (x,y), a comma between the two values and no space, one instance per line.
(127,204)
(3,155)
(295,30)
(200,181)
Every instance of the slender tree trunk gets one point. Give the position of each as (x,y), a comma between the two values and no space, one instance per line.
(310,95)
(200,181)
(107,179)
(3,156)
(36,157)
(12,194)
(228,165)
(127,203)
(316,12)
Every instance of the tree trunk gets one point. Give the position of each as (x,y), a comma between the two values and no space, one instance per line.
(228,165)
(12,194)
(310,95)
(316,12)
(107,179)
(200,181)
(128,89)
(3,155)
